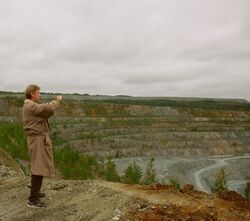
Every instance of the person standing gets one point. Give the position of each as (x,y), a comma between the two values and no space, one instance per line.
(37,130)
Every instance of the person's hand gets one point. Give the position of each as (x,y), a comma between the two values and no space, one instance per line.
(59,98)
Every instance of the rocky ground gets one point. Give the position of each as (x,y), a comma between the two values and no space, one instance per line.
(99,200)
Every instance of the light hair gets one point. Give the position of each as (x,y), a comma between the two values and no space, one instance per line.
(31,89)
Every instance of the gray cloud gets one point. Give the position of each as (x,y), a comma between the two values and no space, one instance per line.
(144,48)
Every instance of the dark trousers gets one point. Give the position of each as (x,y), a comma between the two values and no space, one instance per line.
(36,183)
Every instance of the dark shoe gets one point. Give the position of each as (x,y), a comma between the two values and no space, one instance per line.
(40,195)
(36,204)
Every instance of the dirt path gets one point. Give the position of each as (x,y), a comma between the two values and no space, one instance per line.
(218,163)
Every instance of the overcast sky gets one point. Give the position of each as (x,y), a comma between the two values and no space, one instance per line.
(183,48)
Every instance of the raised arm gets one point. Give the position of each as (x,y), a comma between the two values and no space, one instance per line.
(45,110)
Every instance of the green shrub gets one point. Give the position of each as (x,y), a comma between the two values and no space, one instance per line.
(74,165)
(149,177)
(175,183)
(220,183)
(247,190)
(132,174)
(110,171)
(56,140)
(100,169)
(13,140)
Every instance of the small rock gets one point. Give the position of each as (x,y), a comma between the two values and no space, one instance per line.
(153,207)
(59,186)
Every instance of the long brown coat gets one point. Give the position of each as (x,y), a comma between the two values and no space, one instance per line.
(37,129)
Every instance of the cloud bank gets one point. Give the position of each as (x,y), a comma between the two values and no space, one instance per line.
(140,48)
